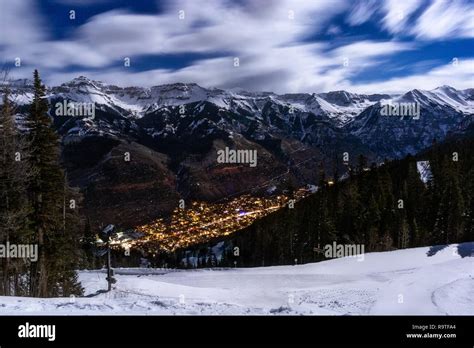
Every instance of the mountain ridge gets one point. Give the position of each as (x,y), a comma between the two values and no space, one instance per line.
(334,103)
(184,125)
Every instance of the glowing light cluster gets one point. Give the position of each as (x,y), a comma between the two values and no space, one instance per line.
(202,221)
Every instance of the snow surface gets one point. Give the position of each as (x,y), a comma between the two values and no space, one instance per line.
(422,281)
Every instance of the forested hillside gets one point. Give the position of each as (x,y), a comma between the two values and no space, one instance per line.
(386,207)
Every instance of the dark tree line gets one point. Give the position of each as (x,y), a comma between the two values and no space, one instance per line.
(37,207)
(383,207)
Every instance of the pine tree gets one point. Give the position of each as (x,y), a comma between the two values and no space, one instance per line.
(14,208)
(447,202)
(57,241)
(455,215)
(403,232)
(373,220)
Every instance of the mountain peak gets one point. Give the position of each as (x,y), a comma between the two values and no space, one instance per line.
(82,80)
(445,88)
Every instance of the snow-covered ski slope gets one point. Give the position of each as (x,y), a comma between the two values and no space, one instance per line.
(433,281)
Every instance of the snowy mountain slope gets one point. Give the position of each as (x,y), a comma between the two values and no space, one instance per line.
(442,111)
(299,116)
(138,100)
(429,281)
(444,96)
(296,115)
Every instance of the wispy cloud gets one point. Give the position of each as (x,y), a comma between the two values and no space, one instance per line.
(397,14)
(362,11)
(460,75)
(19,23)
(277,43)
(446,19)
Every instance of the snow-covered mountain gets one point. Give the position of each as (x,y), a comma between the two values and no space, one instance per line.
(138,101)
(435,280)
(173,132)
(440,112)
(339,108)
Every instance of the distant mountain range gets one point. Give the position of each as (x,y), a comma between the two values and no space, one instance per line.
(173,132)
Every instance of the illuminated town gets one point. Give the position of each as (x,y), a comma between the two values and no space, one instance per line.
(202,221)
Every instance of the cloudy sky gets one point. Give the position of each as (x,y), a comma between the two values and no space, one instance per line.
(282,45)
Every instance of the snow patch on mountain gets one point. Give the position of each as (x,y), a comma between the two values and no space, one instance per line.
(424,170)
